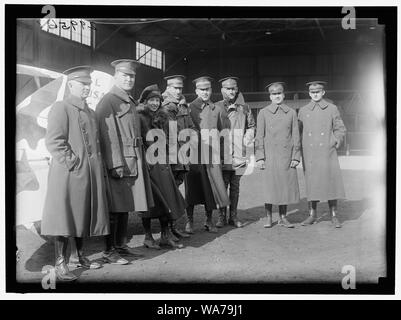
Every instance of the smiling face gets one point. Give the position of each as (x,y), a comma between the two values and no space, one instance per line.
(229,92)
(79,89)
(316,94)
(204,93)
(153,103)
(124,81)
(277,97)
(175,91)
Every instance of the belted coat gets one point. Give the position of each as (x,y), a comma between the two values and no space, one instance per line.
(75,203)
(121,142)
(242,130)
(321,126)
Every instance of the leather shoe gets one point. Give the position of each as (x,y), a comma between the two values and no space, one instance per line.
(113,257)
(151,244)
(269,222)
(235,222)
(126,251)
(285,223)
(83,262)
(336,222)
(62,271)
(309,221)
(178,233)
(210,227)
(221,222)
(189,227)
(170,243)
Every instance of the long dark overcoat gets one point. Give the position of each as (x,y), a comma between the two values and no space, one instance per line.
(321,126)
(168,198)
(76,203)
(121,143)
(278,143)
(205,184)
(178,111)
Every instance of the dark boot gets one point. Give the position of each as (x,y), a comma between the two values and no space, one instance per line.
(312,214)
(234,196)
(269,220)
(233,220)
(61,268)
(165,237)
(110,255)
(149,241)
(189,227)
(80,261)
(333,213)
(110,238)
(283,219)
(122,229)
(221,222)
(177,233)
(209,225)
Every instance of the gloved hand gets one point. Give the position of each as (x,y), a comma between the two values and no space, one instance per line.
(117,172)
(261,164)
(249,137)
(294,163)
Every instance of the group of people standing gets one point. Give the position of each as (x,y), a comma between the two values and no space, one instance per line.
(100,170)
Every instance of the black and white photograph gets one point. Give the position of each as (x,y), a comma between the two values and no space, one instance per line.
(200,149)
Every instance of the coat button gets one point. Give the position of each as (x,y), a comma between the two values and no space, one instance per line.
(322,133)
(310,134)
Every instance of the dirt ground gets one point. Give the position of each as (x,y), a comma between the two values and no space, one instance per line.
(252,253)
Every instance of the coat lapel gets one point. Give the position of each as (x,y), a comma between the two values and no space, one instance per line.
(122,108)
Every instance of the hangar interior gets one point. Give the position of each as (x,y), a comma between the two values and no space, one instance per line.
(258,51)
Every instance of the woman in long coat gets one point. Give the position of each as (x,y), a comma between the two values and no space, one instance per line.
(169,203)
(278,151)
(75,204)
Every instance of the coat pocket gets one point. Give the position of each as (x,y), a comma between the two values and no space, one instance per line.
(130,157)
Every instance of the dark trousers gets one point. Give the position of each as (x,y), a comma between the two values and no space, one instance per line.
(232,181)
(118,230)
(179,176)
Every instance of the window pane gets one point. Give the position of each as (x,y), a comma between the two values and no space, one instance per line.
(54,26)
(65,28)
(75,30)
(44,24)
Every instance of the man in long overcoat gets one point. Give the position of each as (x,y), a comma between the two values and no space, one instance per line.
(322,133)
(75,204)
(127,174)
(241,123)
(278,152)
(205,184)
(175,105)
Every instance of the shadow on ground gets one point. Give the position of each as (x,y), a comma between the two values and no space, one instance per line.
(348,210)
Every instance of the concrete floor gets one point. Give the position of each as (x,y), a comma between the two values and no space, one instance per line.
(251,254)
